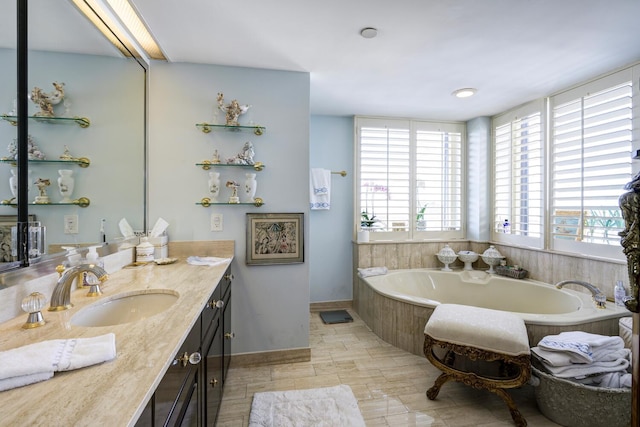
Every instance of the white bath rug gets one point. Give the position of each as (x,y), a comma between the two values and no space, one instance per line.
(318,407)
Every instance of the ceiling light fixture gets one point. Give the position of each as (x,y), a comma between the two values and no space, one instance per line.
(464,93)
(369,32)
(121,25)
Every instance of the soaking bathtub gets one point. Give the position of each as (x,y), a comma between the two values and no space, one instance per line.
(397,305)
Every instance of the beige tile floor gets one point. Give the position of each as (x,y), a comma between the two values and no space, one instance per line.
(389,383)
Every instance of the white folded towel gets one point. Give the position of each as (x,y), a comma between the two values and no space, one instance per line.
(577,370)
(373,271)
(608,380)
(37,362)
(320,189)
(561,358)
(200,260)
(581,345)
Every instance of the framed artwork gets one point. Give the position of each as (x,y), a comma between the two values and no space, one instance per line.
(6,222)
(275,238)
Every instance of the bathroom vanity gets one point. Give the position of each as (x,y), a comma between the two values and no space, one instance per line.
(150,378)
(190,392)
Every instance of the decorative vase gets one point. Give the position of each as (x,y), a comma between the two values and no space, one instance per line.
(66,183)
(214,185)
(250,185)
(447,256)
(13,182)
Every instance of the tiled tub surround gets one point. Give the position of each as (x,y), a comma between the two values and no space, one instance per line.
(114,393)
(402,324)
(543,266)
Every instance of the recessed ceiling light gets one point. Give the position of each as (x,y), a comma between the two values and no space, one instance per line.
(464,93)
(368,32)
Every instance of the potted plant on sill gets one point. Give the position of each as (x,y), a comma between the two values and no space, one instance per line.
(421,222)
(366,220)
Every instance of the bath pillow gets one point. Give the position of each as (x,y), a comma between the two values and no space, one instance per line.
(482,328)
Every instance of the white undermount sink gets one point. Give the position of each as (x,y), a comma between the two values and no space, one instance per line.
(125,308)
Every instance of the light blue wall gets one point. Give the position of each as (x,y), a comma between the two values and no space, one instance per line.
(110,92)
(270,304)
(331,266)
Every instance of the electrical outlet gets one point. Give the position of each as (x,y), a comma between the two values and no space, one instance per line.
(216,222)
(71,224)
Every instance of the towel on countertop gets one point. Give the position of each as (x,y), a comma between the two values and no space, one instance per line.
(581,346)
(201,260)
(320,189)
(373,271)
(37,362)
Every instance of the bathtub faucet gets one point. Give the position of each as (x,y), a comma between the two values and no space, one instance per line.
(598,297)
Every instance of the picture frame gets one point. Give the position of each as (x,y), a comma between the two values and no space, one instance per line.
(6,222)
(275,238)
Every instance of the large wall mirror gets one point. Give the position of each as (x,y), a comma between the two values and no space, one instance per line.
(100,85)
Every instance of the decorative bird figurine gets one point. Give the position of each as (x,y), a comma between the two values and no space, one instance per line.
(232,111)
(46,101)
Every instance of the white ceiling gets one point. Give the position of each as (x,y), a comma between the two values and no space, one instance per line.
(512,51)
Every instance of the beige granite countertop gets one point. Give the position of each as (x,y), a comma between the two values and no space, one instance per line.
(115,392)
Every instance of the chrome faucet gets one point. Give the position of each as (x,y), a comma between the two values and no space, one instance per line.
(61,296)
(598,297)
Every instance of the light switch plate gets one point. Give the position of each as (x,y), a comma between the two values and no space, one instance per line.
(216,222)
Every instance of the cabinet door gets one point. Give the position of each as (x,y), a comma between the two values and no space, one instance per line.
(179,384)
(212,385)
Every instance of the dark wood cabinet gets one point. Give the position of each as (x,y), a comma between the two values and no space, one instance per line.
(190,392)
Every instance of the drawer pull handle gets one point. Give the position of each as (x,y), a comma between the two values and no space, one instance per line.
(228,277)
(213,382)
(216,304)
(194,359)
(230,335)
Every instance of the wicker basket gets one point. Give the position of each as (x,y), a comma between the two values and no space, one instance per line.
(511,272)
(572,404)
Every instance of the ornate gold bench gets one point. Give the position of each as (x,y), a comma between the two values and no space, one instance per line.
(482,348)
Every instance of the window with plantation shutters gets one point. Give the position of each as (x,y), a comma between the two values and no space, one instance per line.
(591,134)
(518,172)
(409,176)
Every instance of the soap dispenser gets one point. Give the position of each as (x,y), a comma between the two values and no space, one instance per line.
(92,255)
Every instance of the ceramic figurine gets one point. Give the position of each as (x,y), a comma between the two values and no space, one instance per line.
(42,185)
(66,155)
(232,111)
(247,153)
(46,101)
(216,158)
(33,151)
(234,192)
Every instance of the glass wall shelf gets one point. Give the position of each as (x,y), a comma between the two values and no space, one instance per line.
(208,164)
(206,202)
(82,202)
(83,162)
(208,127)
(83,122)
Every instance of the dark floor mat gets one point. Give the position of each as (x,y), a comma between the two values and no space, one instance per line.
(338,316)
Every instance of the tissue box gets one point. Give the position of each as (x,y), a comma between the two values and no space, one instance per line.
(159,241)
(161,250)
